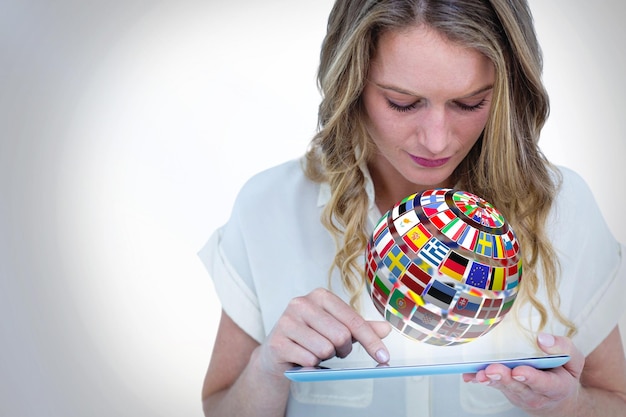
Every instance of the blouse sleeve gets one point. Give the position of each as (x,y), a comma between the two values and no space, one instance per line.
(604,309)
(234,287)
(273,248)
(593,279)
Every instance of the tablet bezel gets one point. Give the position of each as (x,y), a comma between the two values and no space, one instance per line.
(347,370)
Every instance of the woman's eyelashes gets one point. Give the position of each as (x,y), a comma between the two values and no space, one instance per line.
(408,107)
(471,107)
(400,108)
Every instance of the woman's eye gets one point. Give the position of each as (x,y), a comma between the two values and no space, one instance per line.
(401,108)
(468,107)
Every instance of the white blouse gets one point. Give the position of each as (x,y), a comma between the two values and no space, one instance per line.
(274,248)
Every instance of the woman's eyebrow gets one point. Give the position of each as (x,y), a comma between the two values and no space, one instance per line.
(477,92)
(412,93)
(396,89)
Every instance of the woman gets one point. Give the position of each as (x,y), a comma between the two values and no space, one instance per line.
(416,95)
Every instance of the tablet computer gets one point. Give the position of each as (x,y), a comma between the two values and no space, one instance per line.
(365,370)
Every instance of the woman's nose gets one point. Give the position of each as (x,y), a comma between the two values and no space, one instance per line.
(434,130)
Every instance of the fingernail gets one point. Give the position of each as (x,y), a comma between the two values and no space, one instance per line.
(382,356)
(546,339)
(494,377)
(519,378)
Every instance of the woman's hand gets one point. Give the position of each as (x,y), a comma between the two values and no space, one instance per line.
(317,327)
(540,392)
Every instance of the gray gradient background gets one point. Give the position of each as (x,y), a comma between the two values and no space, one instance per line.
(127,127)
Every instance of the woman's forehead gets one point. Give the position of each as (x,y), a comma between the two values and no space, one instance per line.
(421,60)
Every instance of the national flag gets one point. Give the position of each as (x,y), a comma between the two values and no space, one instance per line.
(395,320)
(401,303)
(380,295)
(437,195)
(511,247)
(415,279)
(379,305)
(454,266)
(425,266)
(508,303)
(468,204)
(476,292)
(414,332)
(417,237)
(484,246)
(468,238)
(442,219)
(498,247)
(490,308)
(382,286)
(434,252)
(472,206)
(379,300)
(465,208)
(476,330)
(477,215)
(514,275)
(387,280)
(409,198)
(384,242)
(467,305)
(497,281)
(407,204)
(396,261)
(406,222)
(433,201)
(463,197)
(440,295)
(372,265)
(379,287)
(469,200)
(454,230)
(478,275)
(486,220)
(452,329)
(492,217)
(425,318)
(395,212)
(380,226)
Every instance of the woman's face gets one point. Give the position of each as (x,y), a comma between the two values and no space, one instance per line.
(427,101)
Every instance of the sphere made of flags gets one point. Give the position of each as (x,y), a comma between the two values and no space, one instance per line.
(443,266)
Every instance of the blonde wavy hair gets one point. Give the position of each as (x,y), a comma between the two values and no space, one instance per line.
(505,166)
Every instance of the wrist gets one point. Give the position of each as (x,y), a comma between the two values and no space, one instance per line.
(569,406)
(266,368)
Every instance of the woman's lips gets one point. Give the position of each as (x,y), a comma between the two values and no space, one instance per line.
(429,163)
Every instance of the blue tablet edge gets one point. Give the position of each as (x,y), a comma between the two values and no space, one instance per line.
(301,374)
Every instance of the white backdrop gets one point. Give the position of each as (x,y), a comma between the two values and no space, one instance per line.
(126,129)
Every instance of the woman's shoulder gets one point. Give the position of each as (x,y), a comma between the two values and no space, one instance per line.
(575,208)
(571,182)
(276,174)
(278,185)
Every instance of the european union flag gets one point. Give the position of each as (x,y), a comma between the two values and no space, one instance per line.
(478,275)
